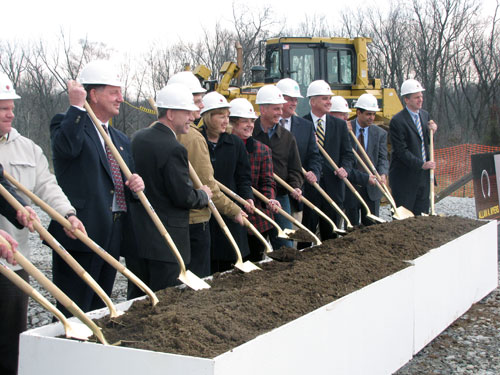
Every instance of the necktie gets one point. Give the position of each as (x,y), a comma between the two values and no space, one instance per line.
(117,178)
(361,137)
(421,135)
(320,132)
(282,122)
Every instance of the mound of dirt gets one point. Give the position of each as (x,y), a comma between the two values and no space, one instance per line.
(238,307)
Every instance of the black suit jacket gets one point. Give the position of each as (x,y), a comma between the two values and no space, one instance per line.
(5,208)
(377,152)
(162,163)
(82,170)
(405,172)
(304,133)
(338,146)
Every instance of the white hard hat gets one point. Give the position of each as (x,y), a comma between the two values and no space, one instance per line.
(318,87)
(241,107)
(214,100)
(339,104)
(289,87)
(7,88)
(176,96)
(368,102)
(269,94)
(188,79)
(411,86)
(100,72)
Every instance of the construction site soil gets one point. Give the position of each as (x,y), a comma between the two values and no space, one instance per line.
(240,306)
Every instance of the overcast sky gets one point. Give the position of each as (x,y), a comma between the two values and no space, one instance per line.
(132,25)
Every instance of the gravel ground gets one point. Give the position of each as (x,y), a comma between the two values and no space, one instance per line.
(471,345)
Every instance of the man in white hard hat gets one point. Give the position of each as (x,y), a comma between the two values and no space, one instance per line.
(332,135)
(199,157)
(409,171)
(163,163)
(303,131)
(373,139)
(286,158)
(340,108)
(91,178)
(25,161)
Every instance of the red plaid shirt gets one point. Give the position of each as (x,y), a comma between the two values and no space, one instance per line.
(261,165)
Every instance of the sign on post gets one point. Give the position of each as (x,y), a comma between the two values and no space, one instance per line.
(486,177)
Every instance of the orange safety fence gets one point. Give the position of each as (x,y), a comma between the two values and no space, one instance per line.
(452,163)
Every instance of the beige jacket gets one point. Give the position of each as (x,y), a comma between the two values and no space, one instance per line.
(25,161)
(199,158)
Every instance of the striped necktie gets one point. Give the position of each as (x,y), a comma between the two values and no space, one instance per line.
(320,132)
(117,178)
(421,135)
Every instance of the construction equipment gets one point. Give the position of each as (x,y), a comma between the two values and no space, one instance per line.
(341,62)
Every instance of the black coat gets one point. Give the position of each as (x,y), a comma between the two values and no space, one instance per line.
(231,167)
(338,146)
(303,131)
(405,171)
(162,163)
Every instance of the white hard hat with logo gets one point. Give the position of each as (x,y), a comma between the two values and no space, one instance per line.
(411,86)
(289,87)
(368,102)
(241,107)
(269,94)
(339,104)
(319,87)
(188,79)
(214,100)
(7,88)
(100,72)
(176,96)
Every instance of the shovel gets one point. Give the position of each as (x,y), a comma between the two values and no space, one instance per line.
(84,238)
(431,151)
(285,214)
(399,213)
(72,330)
(369,215)
(242,266)
(331,202)
(281,233)
(186,276)
(59,249)
(251,227)
(58,294)
(308,203)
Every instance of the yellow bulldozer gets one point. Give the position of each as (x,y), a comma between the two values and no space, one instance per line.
(342,62)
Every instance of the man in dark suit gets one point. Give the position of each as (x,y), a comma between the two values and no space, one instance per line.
(91,179)
(373,139)
(409,172)
(303,131)
(332,134)
(163,163)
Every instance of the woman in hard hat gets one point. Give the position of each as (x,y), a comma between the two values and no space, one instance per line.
(231,168)
(241,118)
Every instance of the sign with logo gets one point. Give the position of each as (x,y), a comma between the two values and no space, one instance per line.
(486,177)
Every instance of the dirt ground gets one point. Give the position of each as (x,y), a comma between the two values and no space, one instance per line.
(238,307)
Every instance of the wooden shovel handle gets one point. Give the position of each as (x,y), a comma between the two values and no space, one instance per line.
(431,192)
(84,238)
(56,292)
(329,200)
(306,201)
(59,249)
(197,184)
(142,197)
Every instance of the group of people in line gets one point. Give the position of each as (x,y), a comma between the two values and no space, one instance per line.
(222,142)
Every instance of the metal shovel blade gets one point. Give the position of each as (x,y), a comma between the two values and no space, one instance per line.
(77,331)
(246,266)
(401,213)
(375,219)
(193,281)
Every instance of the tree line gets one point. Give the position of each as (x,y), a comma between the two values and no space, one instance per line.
(445,44)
